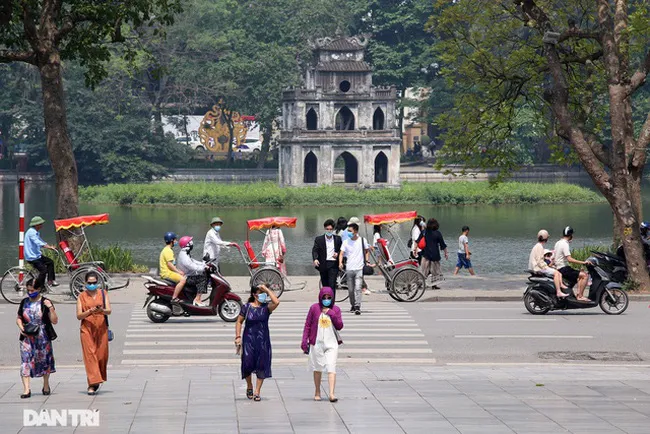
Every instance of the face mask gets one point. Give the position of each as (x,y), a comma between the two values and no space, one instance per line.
(262,298)
(351,233)
(33,294)
(91,286)
(217,228)
(329,233)
(327,302)
(423,225)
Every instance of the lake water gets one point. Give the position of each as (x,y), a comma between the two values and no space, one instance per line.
(501,236)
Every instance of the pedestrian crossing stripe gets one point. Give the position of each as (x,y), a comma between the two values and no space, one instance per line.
(384,333)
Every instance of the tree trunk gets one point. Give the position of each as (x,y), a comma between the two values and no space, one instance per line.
(157,120)
(266,145)
(629,233)
(59,145)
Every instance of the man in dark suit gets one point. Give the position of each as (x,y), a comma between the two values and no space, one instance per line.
(325,254)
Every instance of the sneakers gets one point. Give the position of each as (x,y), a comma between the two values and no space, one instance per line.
(199,304)
(53,283)
(366,291)
(352,309)
(357,311)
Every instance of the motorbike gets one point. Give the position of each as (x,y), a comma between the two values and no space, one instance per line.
(540,297)
(222,301)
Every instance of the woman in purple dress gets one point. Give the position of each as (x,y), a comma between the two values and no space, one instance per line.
(36,345)
(256,343)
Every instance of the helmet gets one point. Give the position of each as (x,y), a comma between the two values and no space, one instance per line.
(169,237)
(185,241)
(542,234)
(567,232)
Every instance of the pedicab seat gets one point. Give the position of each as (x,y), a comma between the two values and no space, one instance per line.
(251,255)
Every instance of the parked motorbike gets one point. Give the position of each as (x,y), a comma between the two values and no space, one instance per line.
(540,297)
(222,301)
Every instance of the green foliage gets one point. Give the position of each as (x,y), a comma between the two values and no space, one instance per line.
(115,258)
(494,59)
(110,129)
(582,253)
(270,194)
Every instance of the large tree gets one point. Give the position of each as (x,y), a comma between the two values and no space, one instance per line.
(581,65)
(44,33)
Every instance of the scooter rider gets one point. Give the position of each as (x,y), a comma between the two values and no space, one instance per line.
(194,270)
(167,265)
(563,259)
(537,264)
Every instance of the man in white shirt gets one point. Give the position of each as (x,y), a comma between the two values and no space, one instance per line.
(563,259)
(356,250)
(213,242)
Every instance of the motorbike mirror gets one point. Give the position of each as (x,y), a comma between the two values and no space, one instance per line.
(206,258)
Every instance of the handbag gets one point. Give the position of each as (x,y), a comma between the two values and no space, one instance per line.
(338,336)
(367,269)
(49,328)
(31,329)
(110,332)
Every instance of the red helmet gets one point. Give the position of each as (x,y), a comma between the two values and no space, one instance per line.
(184,241)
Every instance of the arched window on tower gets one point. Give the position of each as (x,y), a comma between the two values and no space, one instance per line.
(311,169)
(381,168)
(378,119)
(312,119)
(345,119)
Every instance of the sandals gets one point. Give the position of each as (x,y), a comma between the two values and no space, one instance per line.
(249,393)
(334,400)
(257,398)
(317,398)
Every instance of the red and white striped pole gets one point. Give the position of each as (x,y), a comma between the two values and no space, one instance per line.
(21,226)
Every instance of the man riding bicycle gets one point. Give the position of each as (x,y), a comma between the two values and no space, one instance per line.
(33,255)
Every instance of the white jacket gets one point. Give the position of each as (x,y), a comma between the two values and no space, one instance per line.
(212,245)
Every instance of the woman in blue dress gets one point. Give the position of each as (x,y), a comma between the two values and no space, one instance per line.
(255,346)
(37,359)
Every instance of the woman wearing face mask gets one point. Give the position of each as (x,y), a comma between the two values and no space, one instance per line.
(37,358)
(256,342)
(321,341)
(419,225)
(92,307)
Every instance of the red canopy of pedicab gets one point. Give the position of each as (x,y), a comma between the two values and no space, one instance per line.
(391,217)
(81,222)
(269,222)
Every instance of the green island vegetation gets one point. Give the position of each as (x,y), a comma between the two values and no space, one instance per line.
(116,259)
(272,195)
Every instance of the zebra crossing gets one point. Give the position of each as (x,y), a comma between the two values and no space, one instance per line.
(384,333)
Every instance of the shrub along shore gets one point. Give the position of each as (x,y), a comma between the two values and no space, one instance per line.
(268,194)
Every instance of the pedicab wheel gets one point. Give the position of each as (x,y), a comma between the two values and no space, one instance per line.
(271,278)
(342,293)
(341,287)
(156,317)
(533,306)
(13,283)
(408,284)
(78,280)
(229,310)
(616,304)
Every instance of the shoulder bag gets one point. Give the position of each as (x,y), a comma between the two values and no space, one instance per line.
(49,328)
(110,332)
(367,269)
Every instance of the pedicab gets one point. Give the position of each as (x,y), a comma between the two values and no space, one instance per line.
(77,265)
(268,272)
(402,276)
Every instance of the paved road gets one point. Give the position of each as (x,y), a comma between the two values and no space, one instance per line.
(386,333)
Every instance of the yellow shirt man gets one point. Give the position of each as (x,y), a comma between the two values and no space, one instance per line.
(167,256)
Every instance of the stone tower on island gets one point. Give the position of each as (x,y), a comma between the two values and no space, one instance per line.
(339,113)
